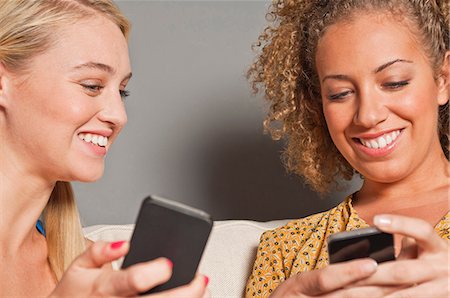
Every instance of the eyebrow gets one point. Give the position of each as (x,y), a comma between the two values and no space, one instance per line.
(386,65)
(336,77)
(102,67)
(377,70)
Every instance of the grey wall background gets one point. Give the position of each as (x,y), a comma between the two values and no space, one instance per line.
(194,133)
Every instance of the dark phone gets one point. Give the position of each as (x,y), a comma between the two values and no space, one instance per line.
(362,243)
(169,229)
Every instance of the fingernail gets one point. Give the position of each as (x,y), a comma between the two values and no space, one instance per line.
(117,245)
(206,280)
(382,220)
(369,266)
(170,263)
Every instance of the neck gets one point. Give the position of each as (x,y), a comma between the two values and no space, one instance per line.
(23,197)
(423,193)
(428,177)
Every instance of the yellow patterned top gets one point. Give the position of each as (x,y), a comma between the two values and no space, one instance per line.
(300,246)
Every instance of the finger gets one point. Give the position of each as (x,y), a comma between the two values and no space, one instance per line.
(207,294)
(367,291)
(137,278)
(418,229)
(195,288)
(402,273)
(408,250)
(329,279)
(100,253)
(439,289)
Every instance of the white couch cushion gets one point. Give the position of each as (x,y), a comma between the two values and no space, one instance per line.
(228,256)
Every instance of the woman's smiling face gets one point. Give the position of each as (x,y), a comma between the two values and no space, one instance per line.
(64,112)
(380,97)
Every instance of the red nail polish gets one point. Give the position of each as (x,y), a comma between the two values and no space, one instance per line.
(206,280)
(116,245)
(170,263)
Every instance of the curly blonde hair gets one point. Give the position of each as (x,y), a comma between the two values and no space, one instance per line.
(285,70)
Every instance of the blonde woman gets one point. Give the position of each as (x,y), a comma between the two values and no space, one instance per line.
(64,68)
(360,86)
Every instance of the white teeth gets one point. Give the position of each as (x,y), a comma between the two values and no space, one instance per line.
(94,139)
(388,139)
(381,141)
(88,137)
(374,144)
(104,141)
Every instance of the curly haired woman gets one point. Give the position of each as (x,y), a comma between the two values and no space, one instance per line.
(359,86)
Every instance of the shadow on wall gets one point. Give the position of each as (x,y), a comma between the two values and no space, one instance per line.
(245,179)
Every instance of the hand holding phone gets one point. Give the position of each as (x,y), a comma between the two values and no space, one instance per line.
(173,230)
(363,243)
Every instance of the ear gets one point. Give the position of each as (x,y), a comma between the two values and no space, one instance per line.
(444,81)
(2,86)
(6,79)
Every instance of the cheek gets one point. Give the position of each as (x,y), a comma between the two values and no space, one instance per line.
(50,114)
(72,112)
(337,118)
(68,108)
(420,103)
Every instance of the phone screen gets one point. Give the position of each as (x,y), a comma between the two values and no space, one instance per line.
(363,243)
(172,230)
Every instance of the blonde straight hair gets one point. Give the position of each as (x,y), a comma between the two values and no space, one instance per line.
(65,239)
(27,28)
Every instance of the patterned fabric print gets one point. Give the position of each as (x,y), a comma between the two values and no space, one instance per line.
(443,227)
(300,246)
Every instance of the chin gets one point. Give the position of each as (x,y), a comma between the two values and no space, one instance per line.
(384,175)
(91,178)
(88,174)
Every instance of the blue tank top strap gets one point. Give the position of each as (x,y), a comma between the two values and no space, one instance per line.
(40,227)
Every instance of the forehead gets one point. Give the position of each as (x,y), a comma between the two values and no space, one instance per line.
(369,38)
(94,39)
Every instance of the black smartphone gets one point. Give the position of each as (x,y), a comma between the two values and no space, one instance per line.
(173,230)
(363,243)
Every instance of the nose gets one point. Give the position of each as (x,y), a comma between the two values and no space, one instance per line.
(113,110)
(371,109)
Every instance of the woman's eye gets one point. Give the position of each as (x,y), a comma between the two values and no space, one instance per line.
(92,88)
(341,95)
(124,94)
(395,85)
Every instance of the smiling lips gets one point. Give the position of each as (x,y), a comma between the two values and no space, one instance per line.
(381,141)
(94,139)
